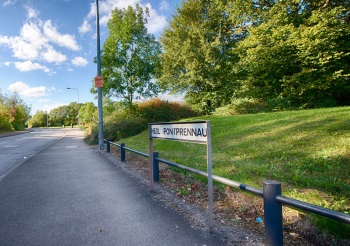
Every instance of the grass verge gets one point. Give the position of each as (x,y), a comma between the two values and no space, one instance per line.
(308,151)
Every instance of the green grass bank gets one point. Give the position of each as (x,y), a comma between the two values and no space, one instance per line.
(308,151)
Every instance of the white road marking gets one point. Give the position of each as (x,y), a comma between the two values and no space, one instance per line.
(71,147)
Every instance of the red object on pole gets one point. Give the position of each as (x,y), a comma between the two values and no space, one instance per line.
(98,81)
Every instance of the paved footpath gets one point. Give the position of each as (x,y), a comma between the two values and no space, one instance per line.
(70,194)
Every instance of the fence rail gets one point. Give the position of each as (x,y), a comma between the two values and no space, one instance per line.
(271,193)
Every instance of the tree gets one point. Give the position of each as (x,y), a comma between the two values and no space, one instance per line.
(73,113)
(18,111)
(298,56)
(58,116)
(65,115)
(130,57)
(5,124)
(39,119)
(198,58)
(88,113)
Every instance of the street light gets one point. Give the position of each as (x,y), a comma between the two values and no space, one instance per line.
(99,89)
(68,88)
(47,119)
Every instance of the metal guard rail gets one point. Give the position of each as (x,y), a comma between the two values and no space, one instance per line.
(271,193)
(259,192)
(222,180)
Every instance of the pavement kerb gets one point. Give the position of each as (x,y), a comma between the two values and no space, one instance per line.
(9,134)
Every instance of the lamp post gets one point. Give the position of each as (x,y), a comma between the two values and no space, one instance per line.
(68,88)
(99,89)
(47,119)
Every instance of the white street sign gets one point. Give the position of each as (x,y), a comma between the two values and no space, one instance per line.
(183,131)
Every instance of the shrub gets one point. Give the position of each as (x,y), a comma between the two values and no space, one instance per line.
(121,124)
(91,134)
(5,124)
(242,106)
(156,110)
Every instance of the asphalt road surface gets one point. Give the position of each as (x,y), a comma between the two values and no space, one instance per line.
(14,150)
(70,194)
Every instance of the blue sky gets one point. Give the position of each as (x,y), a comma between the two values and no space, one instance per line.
(49,45)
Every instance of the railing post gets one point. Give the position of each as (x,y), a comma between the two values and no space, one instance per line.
(108,145)
(155,167)
(122,152)
(273,213)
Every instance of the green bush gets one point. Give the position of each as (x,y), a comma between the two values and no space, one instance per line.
(91,134)
(242,106)
(5,125)
(156,110)
(121,124)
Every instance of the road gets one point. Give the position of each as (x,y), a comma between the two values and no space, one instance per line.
(70,194)
(14,150)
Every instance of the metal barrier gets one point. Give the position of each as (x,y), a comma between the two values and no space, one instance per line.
(271,193)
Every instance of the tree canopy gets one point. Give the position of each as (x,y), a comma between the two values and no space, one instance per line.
(13,112)
(130,57)
(198,56)
(298,56)
(285,54)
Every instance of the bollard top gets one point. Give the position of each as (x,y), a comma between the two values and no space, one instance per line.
(271,182)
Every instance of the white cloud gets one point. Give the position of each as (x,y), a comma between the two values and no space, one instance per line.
(64,40)
(21,49)
(9,2)
(36,41)
(31,33)
(85,27)
(106,7)
(30,66)
(156,22)
(49,107)
(79,61)
(164,5)
(171,97)
(42,100)
(31,12)
(51,55)
(26,91)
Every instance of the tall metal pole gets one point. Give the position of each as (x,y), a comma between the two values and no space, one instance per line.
(99,89)
(210,178)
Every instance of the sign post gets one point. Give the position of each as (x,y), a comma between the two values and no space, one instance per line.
(195,132)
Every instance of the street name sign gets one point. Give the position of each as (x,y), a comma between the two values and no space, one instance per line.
(182,131)
(196,132)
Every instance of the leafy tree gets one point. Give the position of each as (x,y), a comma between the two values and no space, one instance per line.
(73,113)
(39,119)
(88,113)
(65,115)
(18,111)
(110,106)
(58,116)
(298,56)
(130,57)
(198,56)
(5,124)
